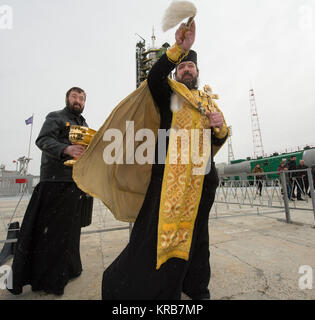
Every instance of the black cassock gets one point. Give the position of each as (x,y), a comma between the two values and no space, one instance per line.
(133,274)
(47,253)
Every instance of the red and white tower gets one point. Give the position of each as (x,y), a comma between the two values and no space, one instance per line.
(257,140)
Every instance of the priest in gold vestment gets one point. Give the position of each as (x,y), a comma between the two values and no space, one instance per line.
(169,200)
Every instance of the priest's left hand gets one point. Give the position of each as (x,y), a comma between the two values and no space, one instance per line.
(216,119)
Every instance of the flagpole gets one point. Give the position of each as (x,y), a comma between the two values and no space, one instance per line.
(29,145)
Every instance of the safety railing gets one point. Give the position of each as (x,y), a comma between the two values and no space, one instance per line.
(13,188)
(273,190)
(284,190)
(12,210)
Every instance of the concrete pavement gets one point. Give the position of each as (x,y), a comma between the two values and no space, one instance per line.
(252,257)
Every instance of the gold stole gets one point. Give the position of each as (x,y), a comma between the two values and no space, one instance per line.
(187,157)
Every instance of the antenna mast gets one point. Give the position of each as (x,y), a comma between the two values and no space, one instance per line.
(257,140)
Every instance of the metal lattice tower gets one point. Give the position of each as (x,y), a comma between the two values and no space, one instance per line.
(140,74)
(257,140)
(230,149)
(146,58)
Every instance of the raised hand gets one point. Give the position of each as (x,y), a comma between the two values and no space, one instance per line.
(185,37)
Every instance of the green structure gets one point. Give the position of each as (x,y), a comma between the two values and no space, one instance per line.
(244,167)
(271,164)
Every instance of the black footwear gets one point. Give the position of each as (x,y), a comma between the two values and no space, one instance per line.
(15,291)
(300,199)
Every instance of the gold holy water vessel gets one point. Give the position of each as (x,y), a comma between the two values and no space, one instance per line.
(79,135)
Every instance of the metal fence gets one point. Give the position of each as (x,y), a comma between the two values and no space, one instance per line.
(15,193)
(285,191)
(265,196)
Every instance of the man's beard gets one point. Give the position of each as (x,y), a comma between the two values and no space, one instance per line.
(190,83)
(73,109)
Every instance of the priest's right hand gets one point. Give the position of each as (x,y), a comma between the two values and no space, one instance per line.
(185,37)
(74,150)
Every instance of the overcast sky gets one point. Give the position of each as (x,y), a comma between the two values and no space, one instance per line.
(54,45)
